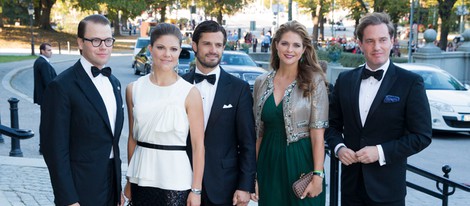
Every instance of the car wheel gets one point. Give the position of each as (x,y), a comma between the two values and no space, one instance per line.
(136,71)
(133,64)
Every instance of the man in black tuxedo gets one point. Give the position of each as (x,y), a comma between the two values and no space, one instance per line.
(383,113)
(81,122)
(230,160)
(44,73)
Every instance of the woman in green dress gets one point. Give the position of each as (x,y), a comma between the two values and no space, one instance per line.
(291,114)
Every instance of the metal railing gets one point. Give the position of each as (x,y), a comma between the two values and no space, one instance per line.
(447,189)
(14,132)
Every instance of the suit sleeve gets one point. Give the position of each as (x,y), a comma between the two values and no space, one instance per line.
(333,134)
(54,131)
(418,126)
(47,72)
(246,140)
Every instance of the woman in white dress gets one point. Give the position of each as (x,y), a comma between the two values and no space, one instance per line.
(162,109)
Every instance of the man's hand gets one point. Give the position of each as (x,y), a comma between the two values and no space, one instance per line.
(368,154)
(241,198)
(347,156)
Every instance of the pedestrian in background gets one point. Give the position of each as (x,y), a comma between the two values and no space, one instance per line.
(379,116)
(81,122)
(44,73)
(291,114)
(229,138)
(159,171)
(255,42)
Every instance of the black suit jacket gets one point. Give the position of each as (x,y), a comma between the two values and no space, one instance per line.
(399,119)
(44,73)
(229,138)
(76,138)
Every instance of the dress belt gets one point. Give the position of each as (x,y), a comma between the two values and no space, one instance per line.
(161,147)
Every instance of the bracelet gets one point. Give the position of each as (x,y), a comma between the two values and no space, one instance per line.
(319,173)
(196,191)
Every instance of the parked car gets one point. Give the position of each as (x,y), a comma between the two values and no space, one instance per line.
(143,60)
(339,27)
(186,57)
(449,99)
(241,65)
(140,43)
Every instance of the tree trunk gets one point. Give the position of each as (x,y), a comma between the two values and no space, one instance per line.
(1,14)
(45,21)
(219,16)
(445,9)
(117,25)
(163,13)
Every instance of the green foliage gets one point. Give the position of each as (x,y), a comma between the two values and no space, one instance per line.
(354,60)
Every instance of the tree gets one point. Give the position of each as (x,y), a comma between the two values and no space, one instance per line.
(445,12)
(45,16)
(218,8)
(1,13)
(316,8)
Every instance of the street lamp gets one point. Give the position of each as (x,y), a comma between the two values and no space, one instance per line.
(31,12)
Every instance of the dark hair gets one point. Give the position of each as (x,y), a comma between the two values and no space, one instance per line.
(43,46)
(208,27)
(308,63)
(165,29)
(375,18)
(95,18)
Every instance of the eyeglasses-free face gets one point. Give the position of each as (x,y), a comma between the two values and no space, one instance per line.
(96,42)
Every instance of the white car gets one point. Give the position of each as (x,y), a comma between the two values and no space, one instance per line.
(449,99)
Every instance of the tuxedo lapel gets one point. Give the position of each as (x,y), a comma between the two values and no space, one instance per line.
(89,90)
(388,81)
(221,95)
(354,95)
(119,109)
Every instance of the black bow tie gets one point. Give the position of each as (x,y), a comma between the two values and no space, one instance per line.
(105,71)
(200,77)
(368,73)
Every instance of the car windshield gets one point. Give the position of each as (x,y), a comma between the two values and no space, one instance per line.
(142,43)
(237,59)
(440,81)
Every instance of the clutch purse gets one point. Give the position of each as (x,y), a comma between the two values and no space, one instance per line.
(301,184)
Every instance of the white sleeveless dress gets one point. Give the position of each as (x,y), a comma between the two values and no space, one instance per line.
(160,118)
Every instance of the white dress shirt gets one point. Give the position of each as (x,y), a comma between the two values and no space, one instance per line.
(207,91)
(367,92)
(105,88)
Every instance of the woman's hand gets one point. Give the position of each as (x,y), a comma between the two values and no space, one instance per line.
(193,199)
(254,196)
(314,188)
(127,191)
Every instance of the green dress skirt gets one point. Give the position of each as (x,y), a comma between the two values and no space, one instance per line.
(279,164)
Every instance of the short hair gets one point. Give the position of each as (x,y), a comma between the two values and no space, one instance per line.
(43,46)
(208,27)
(95,18)
(165,29)
(375,18)
(308,64)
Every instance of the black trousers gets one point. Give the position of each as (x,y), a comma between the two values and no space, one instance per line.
(361,198)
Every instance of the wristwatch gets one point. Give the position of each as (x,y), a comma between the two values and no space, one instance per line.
(196,191)
(319,173)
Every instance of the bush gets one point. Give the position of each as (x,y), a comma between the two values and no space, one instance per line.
(354,60)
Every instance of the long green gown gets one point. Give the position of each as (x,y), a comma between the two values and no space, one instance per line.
(279,164)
